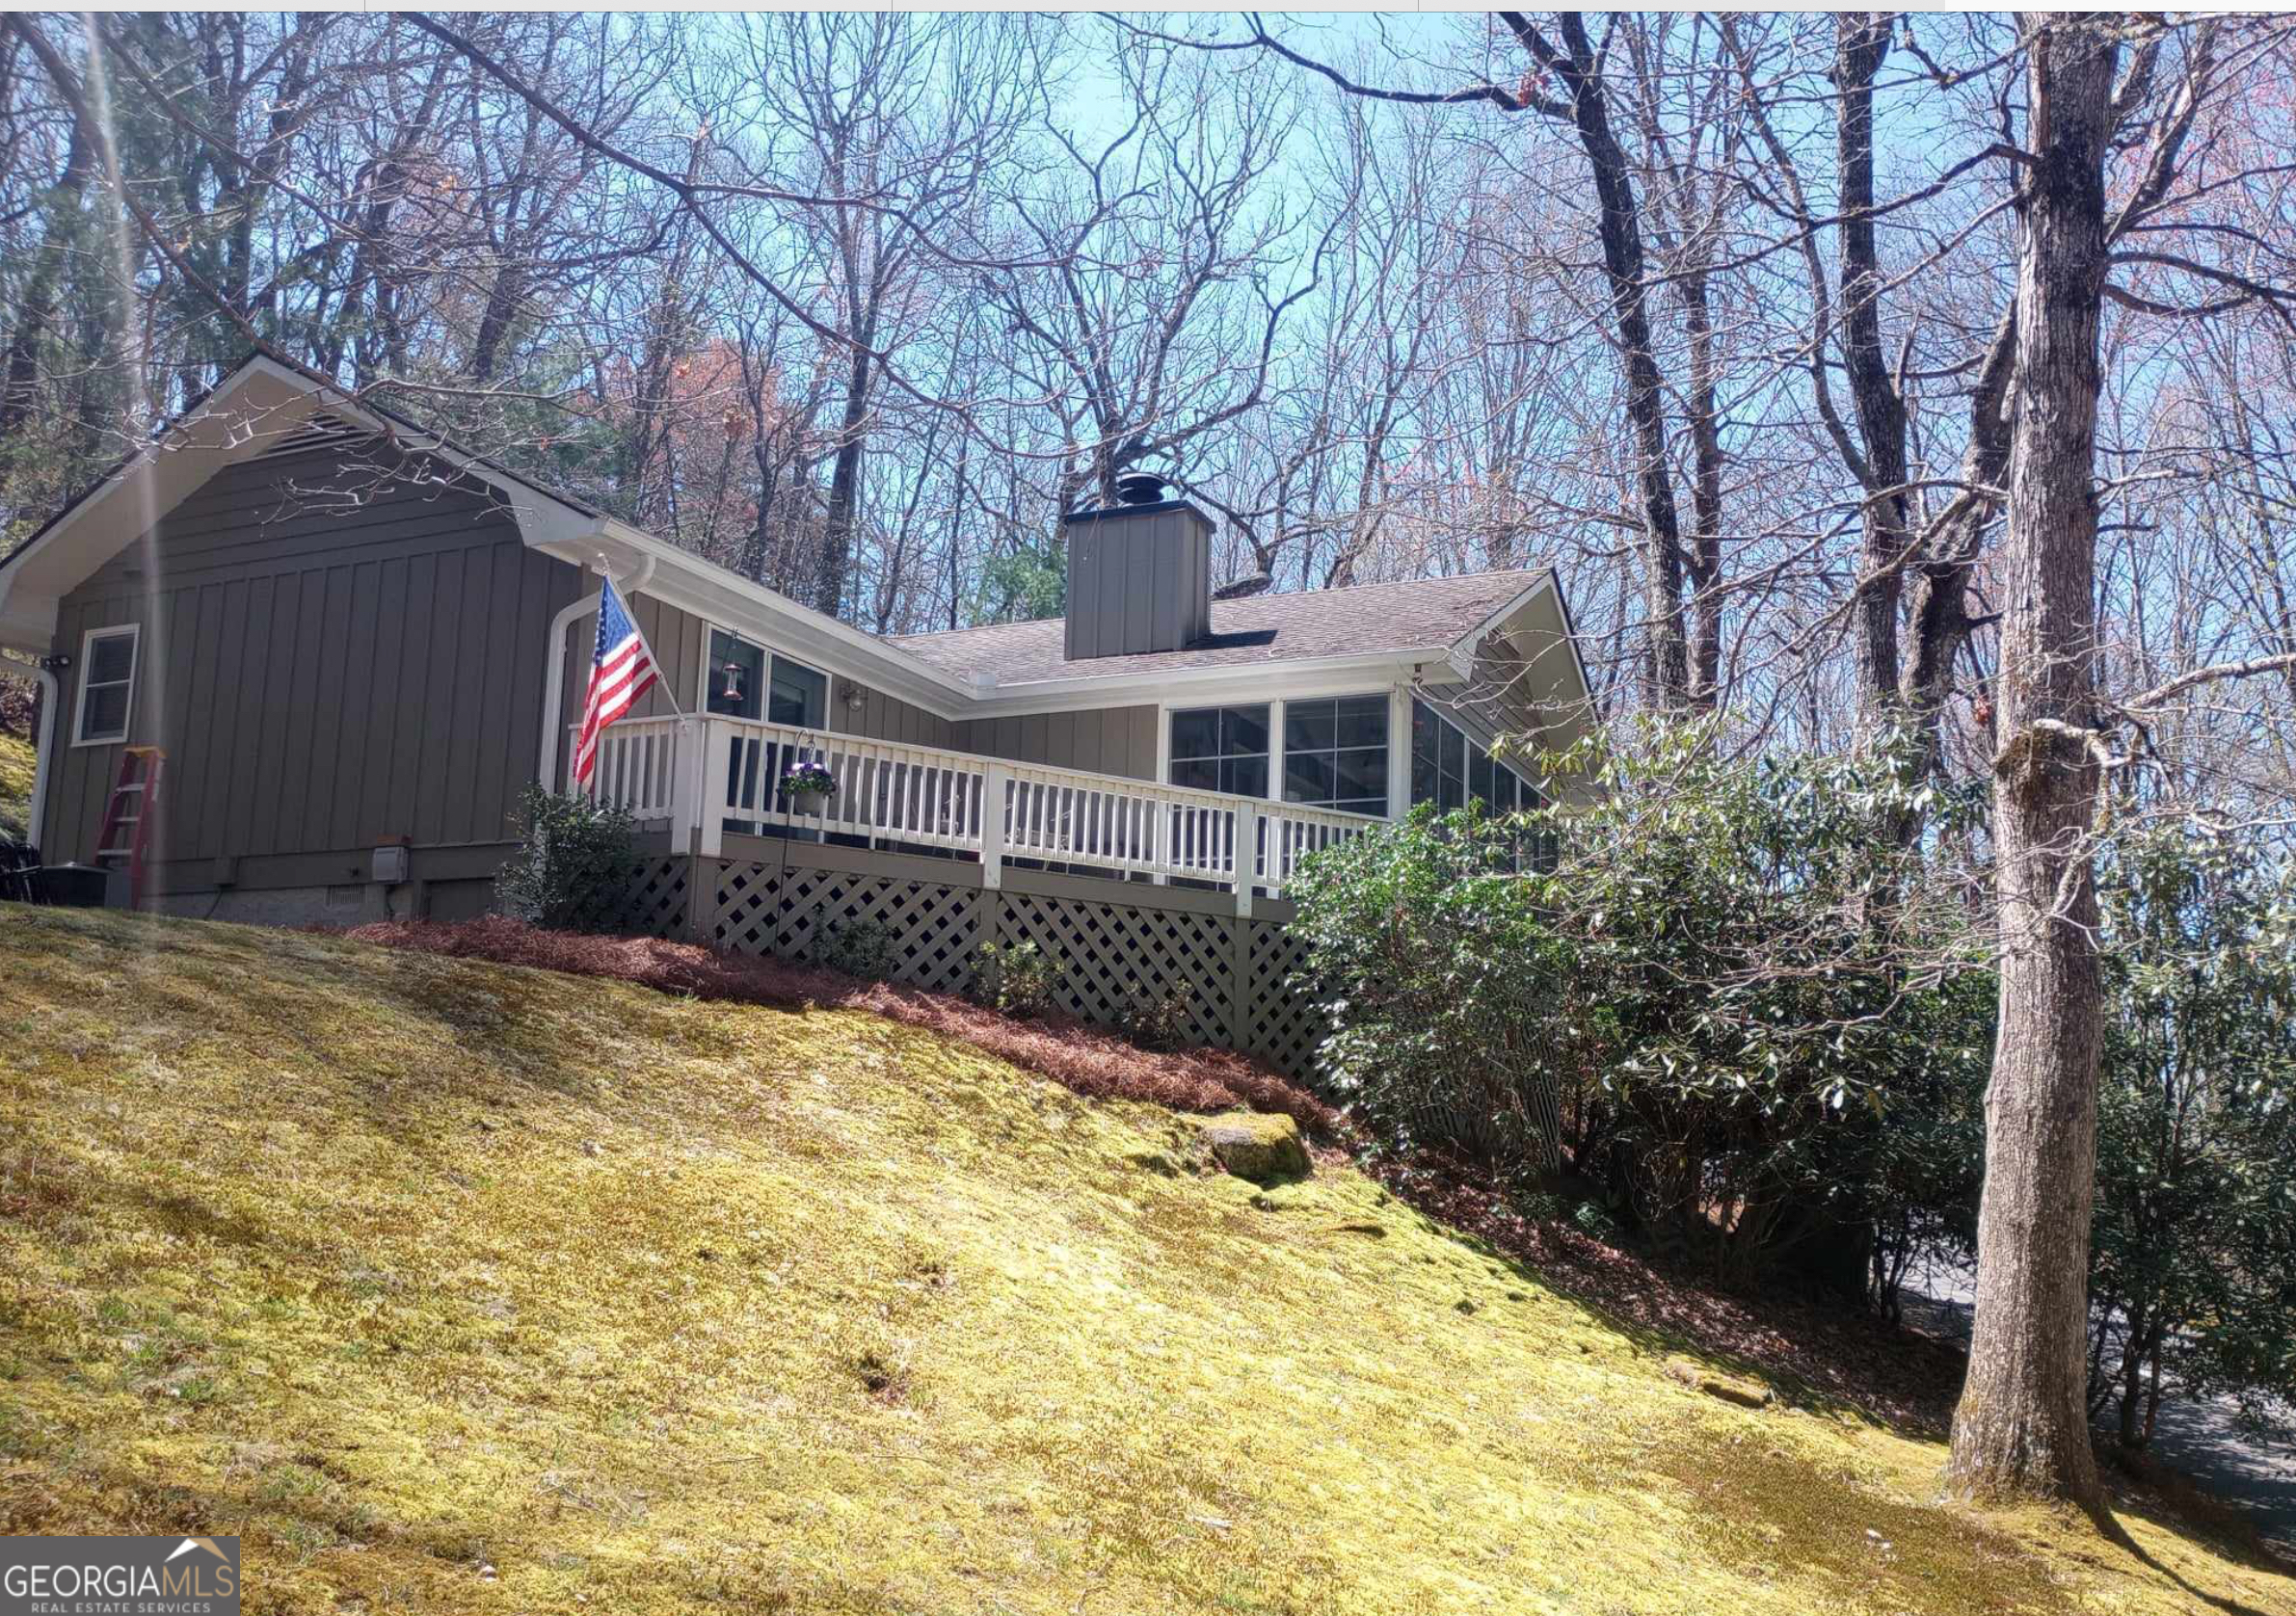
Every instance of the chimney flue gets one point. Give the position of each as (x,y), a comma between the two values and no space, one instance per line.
(1141,487)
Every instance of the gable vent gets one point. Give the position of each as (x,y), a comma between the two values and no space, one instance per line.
(321,432)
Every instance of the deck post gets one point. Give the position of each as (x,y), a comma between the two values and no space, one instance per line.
(994,781)
(701,900)
(1243,864)
(684,810)
(713,822)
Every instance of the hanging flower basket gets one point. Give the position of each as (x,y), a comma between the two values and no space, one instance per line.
(808,787)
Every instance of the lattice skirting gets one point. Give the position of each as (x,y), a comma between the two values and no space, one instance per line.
(1234,975)
(784,913)
(1114,956)
(1279,1021)
(654,904)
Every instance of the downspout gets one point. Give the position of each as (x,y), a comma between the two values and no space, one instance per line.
(51,696)
(553,688)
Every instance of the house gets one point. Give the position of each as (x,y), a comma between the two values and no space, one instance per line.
(356,645)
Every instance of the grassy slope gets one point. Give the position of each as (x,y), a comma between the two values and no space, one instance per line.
(15,784)
(406,1268)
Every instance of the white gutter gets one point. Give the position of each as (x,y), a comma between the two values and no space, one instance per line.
(43,747)
(1302,676)
(553,688)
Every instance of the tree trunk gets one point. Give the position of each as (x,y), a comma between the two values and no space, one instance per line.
(1705,558)
(1618,226)
(1939,616)
(844,491)
(2022,1426)
(1863,41)
(37,309)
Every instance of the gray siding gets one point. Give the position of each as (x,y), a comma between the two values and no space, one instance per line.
(322,672)
(679,640)
(1107,740)
(1138,582)
(887,718)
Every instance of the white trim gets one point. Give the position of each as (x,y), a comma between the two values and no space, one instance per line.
(554,689)
(1275,750)
(135,664)
(1544,580)
(43,750)
(1398,751)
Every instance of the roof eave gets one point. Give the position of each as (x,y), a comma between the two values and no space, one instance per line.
(724,597)
(1276,676)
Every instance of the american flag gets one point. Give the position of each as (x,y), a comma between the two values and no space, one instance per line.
(620,673)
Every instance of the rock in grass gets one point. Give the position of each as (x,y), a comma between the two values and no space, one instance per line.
(1266,1150)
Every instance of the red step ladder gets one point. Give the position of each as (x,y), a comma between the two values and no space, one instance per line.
(129,812)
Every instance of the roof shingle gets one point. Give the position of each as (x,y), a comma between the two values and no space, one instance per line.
(1415,615)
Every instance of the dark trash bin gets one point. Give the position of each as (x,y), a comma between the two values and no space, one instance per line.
(78,886)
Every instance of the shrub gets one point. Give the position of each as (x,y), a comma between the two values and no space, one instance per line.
(2193,1258)
(573,862)
(1440,990)
(1016,978)
(1159,1020)
(1738,1005)
(859,948)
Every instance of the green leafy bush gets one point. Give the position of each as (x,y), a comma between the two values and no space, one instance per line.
(1016,978)
(859,948)
(1736,1002)
(1159,1020)
(2192,1267)
(574,863)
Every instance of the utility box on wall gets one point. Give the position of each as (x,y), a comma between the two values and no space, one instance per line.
(390,865)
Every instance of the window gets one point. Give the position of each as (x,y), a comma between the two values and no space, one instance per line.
(1335,753)
(797,695)
(107,685)
(1450,770)
(744,681)
(736,680)
(1222,749)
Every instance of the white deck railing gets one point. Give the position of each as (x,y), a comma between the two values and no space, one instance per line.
(706,775)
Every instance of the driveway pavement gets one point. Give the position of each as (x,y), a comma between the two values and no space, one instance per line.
(2200,1438)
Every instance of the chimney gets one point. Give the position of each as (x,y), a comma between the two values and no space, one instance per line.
(1139,574)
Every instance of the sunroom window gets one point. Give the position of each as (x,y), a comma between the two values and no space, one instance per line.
(1335,753)
(1450,769)
(1222,749)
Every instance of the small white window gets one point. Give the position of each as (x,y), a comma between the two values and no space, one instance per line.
(107,685)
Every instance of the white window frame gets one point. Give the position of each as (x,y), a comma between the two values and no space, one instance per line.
(1399,701)
(135,664)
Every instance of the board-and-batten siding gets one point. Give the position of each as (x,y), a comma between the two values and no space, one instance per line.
(323,671)
(1104,740)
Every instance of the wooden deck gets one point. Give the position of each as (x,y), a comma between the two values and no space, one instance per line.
(712,779)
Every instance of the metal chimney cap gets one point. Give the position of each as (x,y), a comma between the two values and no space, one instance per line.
(1141,487)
